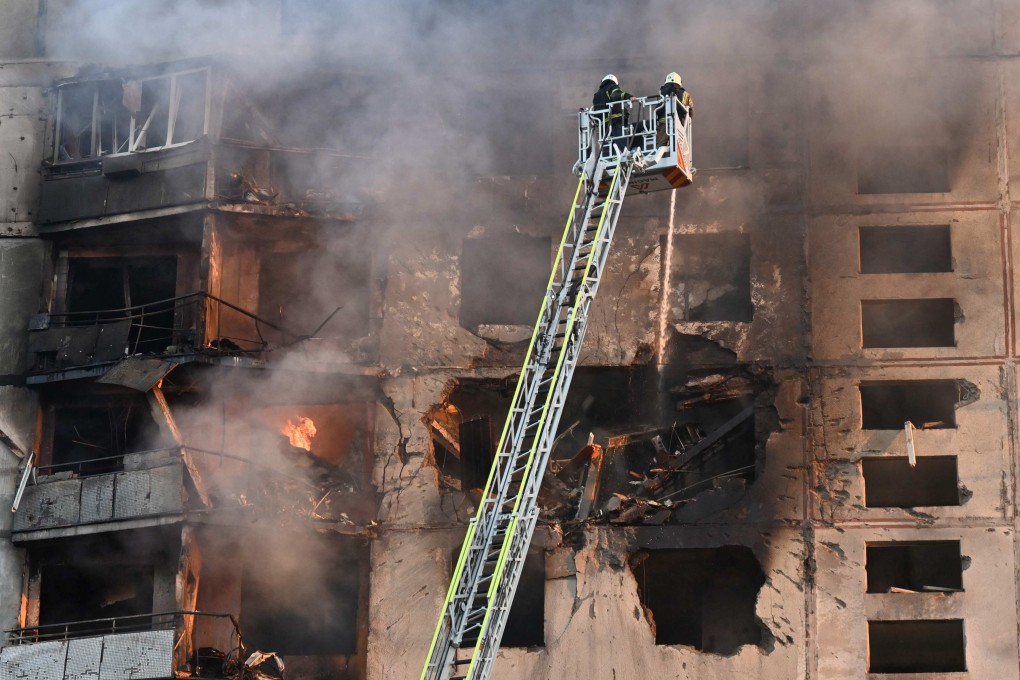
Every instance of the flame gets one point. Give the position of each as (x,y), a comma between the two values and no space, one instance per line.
(300,433)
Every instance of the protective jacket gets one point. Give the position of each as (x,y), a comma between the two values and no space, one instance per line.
(610,93)
(682,95)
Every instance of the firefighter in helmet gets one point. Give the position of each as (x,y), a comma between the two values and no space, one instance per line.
(611,96)
(673,85)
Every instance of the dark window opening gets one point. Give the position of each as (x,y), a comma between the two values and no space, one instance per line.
(73,593)
(91,440)
(503,279)
(903,169)
(711,276)
(890,482)
(919,566)
(906,250)
(124,290)
(478,440)
(703,598)
(301,593)
(916,646)
(525,625)
(928,404)
(909,323)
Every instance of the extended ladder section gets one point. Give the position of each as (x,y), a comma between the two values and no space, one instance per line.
(491,560)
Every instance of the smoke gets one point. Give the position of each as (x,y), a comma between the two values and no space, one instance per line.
(424,98)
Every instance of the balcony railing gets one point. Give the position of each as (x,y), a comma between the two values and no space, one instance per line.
(188,324)
(112,626)
(159,645)
(234,482)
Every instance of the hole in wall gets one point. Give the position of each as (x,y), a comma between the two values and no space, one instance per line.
(711,276)
(701,598)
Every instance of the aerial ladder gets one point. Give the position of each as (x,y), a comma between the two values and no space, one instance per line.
(491,559)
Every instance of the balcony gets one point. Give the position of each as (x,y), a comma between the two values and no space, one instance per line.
(197,327)
(157,487)
(140,647)
(148,484)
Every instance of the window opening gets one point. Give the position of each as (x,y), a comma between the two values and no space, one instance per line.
(891,169)
(77,595)
(909,323)
(890,482)
(117,289)
(91,440)
(925,646)
(111,117)
(906,250)
(928,404)
(917,566)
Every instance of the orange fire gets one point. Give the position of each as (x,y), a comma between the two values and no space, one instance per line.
(300,433)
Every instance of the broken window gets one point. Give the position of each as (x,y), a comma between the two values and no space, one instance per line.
(503,279)
(927,322)
(891,482)
(90,439)
(906,250)
(892,169)
(114,116)
(80,594)
(711,276)
(703,598)
(301,593)
(915,566)
(124,290)
(924,646)
(928,404)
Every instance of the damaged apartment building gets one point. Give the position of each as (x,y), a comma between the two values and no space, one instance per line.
(262,320)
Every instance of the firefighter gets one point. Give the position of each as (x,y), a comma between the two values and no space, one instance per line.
(611,96)
(673,85)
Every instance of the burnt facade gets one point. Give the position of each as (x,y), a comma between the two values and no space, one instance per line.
(262,320)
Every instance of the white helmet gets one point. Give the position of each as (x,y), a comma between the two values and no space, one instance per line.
(610,76)
(675,78)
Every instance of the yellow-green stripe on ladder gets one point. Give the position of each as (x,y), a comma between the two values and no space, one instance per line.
(492,556)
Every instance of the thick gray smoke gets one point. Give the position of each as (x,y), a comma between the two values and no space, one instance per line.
(427,97)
